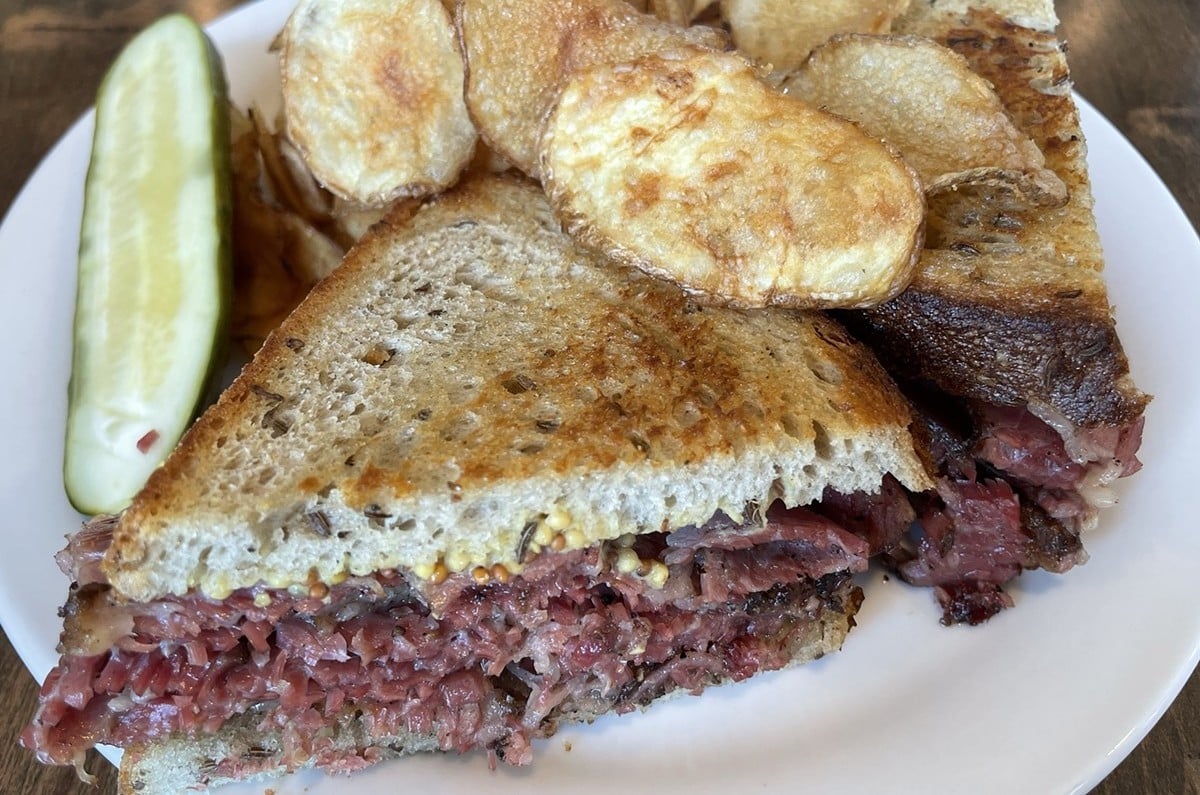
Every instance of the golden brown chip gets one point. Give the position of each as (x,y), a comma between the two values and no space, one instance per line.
(783,32)
(286,175)
(1038,186)
(704,10)
(519,51)
(349,221)
(264,291)
(373,97)
(288,232)
(688,166)
(1033,14)
(677,12)
(924,99)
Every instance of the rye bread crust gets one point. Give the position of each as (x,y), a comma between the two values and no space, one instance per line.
(1009,305)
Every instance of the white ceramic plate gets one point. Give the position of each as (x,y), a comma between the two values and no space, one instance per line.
(1045,698)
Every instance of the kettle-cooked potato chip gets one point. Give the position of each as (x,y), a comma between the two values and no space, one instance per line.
(686,165)
(924,99)
(519,51)
(288,232)
(783,32)
(373,97)
(677,12)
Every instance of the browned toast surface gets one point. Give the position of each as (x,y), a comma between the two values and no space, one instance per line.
(1010,304)
(470,371)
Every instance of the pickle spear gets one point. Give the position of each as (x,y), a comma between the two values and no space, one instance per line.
(154,262)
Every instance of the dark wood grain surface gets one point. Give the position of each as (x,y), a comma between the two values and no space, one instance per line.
(1138,61)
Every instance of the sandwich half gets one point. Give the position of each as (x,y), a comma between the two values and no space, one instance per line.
(478,484)
(1006,341)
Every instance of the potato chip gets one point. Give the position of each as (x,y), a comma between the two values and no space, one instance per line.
(264,291)
(686,165)
(1036,15)
(349,221)
(783,32)
(288,232)
(519,51)
(373,97)
(704,10)
(677,12)
(924,99)
(288,177)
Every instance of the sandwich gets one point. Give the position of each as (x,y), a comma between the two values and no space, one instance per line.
(1005,341)
(480,483)
(1003,335)
(486,480)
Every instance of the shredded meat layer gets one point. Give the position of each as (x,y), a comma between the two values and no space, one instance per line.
(494,667)
(1013,493)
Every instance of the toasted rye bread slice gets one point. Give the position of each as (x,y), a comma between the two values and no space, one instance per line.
(182,764)
(1009,305)
(467,373)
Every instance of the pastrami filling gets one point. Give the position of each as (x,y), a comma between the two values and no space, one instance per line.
(1013,493)
(498,664)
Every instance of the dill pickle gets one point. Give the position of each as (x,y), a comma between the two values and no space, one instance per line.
(153,289)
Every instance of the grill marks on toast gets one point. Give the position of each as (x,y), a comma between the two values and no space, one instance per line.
(1000,276)
(468,371)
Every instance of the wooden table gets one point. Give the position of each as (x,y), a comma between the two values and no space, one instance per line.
(1138,61)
